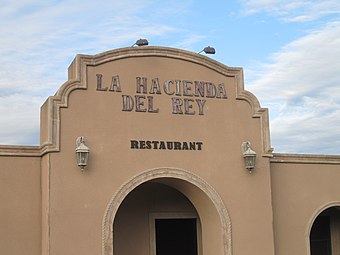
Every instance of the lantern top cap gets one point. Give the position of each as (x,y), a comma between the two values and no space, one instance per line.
(80,143)
(247,151)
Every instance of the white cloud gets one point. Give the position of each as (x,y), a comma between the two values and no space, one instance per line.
(189,40)
(293,10)
(40,39)
(19,119)
(301,88)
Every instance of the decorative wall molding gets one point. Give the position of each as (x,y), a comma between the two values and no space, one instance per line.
(305,159)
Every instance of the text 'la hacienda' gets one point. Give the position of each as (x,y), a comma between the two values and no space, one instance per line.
(187,96)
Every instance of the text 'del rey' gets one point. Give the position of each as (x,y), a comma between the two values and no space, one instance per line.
(187,97)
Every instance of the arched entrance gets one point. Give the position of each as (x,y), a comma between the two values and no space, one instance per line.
(156,219)
(325,233)
(187,197)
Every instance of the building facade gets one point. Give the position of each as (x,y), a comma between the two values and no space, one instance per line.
(168,133)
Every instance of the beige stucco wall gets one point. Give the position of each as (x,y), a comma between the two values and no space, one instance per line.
(50,207)
(20,205)
(300,192)
(79,200)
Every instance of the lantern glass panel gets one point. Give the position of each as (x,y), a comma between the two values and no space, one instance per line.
(250,161)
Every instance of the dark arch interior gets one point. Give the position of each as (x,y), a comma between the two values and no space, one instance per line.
(324,235)
(176,236)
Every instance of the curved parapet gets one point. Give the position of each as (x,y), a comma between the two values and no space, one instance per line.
(78,79)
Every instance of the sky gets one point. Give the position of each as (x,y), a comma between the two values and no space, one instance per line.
(289,50)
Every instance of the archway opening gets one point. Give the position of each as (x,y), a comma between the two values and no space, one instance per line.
(213,222)
(325,233)
(156,219)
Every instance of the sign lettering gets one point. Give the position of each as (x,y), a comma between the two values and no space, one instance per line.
(187,96)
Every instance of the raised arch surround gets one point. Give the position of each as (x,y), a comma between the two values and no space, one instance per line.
(190,178)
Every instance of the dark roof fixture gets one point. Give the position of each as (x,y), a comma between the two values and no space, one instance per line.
(141,42)
(208,50)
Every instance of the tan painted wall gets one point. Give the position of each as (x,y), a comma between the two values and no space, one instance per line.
(78,200)
(50,207)
(300,193)
(20,205)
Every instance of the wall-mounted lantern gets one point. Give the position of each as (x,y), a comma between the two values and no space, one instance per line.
(82,152)
(249,156)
